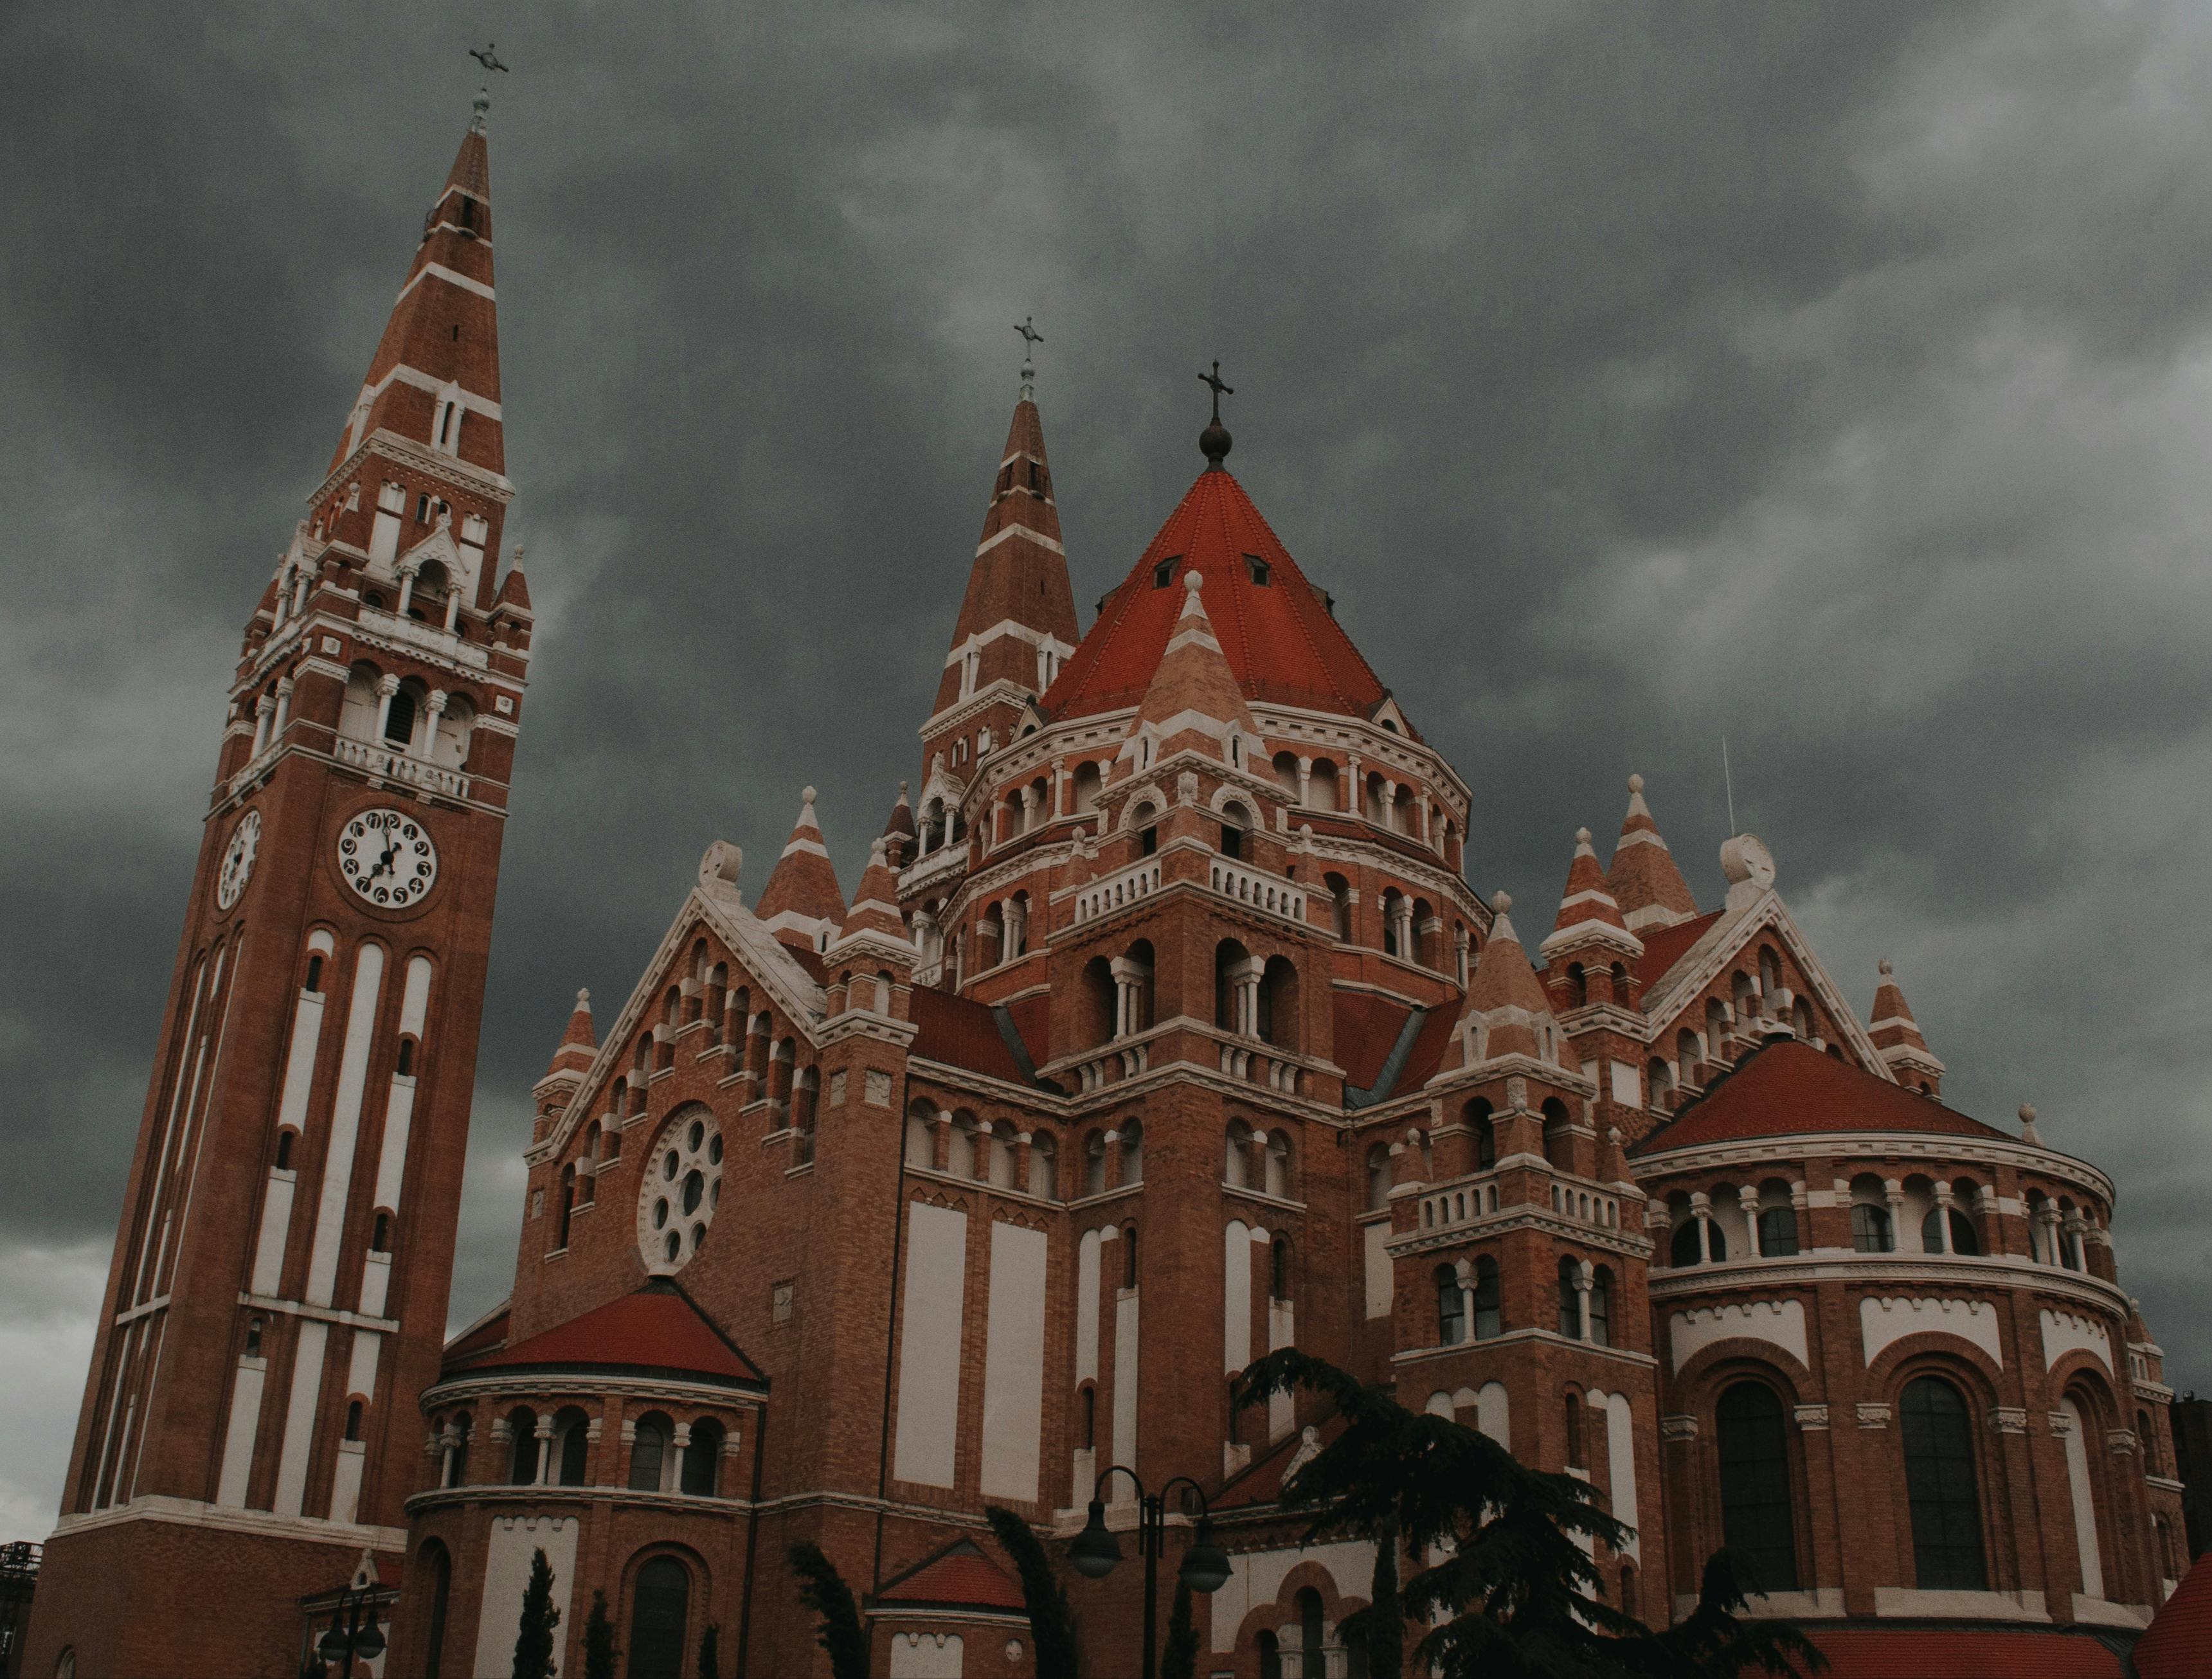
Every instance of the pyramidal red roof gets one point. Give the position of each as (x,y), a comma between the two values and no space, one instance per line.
(1791,1089)
(2179,1643)
(657,1328)
(1970,1652)
(1274,627)
(958,1577)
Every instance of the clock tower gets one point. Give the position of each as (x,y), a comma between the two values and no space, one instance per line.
(277,1296)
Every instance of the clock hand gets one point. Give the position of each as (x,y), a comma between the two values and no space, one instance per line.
(385,861)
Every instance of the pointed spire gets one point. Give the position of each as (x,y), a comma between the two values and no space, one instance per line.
(434,381)
(1897,1035)
(1506,1012)
(572,1058)
(899,825)
(1588,915)
(1192,691)
(580,1033)
(801,903)
(1644,882)
(875,901)
(1017,621)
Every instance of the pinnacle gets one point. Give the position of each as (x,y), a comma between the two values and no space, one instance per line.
(1589,913)
(802,898)
(1193,686)
(1646,885)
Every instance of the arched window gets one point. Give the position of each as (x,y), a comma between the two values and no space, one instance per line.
(522,1437)
(1600,1307)
(1558,1135)
(572,1432)
(1094,1164)
(399,721)
(1870,1229)
(1682,1250)
(961,1163)
(1451,1310)
(1939,1477)
(1378,1176)
(1128,1255)
(1270,1657)
(1484,1127)
(1489,1300)
(314,973)
(1237,1156)
(702,1460)
(1778,1230)
(253,1337)
(1279,1269)
(457,1460)
(1946,1230)
(568,1206)
(432,1560)
(1570,1298)
(1277,1179)
(1311,1652)
(1577,1450)
(1044,1165)
(1756,1521)
(661,1609)
(806,1111)
(647,1452)
(920,1150)
(1132,1152)
(285,1139)
(353,1419)
(1339,906)
(1090,1416)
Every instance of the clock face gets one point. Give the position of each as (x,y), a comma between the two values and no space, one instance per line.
(238,860)
(388,857)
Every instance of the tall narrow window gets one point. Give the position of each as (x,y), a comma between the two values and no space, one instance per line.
(1577,1450)
(399,721)
(646,1453)
(1778,1231)
(1939,1475)
(1570,1299)
(1128,1255)
(1757,1521)
(1601,1308)
(1451,1313)
(441,1587)
(1489,1314)
(660,1610)
(1870,1229)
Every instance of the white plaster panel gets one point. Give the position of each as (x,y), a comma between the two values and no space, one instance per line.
(1620,1463)
(276,1228)
(345,1480)
(1627,1085)
(1882,1321)
(300,1418)
(245,1426)
(1781,1323)
(1439,1405)
(361,1372)
(2065,1332)
(1494,1413)
(375,1282)
(1013,1364)
(1125,1377)
(929,1346)
(1236,1296)
(300,1060)
(1380,1283)
(926,1656)
(1255,1581)
(415,999)
(1282,1331)
(2085,1506)
(513,1541)
(1086,1308)
(345,1123)
(391,1159)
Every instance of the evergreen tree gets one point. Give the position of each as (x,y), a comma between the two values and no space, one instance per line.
(710,1652)
(824,1592)
(533,1643)
(1052,1621)
(1381,1624)
(598,1640)
(1512,1594)
(1179,1660)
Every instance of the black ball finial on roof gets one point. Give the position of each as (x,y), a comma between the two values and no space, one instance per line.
(1213,441)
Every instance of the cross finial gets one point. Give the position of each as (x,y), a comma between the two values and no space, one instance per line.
(488,55)
(1219,389)
(1030,339)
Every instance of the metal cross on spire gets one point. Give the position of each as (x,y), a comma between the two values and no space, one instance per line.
(1030,339)
(1220,390)
(488,55)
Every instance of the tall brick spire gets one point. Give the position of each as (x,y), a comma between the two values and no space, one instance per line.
(1645,883)
(1017,621)
(801,904)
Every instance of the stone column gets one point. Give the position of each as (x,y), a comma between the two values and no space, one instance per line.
(407,570)
(386,686)
(1748,1198)
(264,711)
(436,709)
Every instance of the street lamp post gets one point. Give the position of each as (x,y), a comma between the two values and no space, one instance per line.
(353,1632)
(1096,1551)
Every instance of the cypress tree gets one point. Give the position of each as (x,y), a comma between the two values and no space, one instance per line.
(533,1642)
(1052,1621)
(598,1640)
(824,1592)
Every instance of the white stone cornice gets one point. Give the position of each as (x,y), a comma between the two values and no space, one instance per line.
(1888,1274)
(405,452)
(1872,1143)
(451,276)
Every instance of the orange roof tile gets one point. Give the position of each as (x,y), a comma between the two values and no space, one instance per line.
(1663,946)
(1279,636)
(1366,1028)
(959,1576)
(2179,1644)
(1786,1088)
(657,1329)
(1961,1652)
(961,1032)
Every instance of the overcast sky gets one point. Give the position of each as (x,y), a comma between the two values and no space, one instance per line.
(1835,378)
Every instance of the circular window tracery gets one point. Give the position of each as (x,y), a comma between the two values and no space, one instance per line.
(683,1188)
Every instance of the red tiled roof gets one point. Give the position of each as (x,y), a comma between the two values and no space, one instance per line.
(1791,1089)
(479,1338)
(657,1328)
(2179,1644)
(958,1577)
(1366,1029)
(1427,1053)
(961,1032)
(1663,946)
(1260,1481)
(1942,1652)
(1280,638)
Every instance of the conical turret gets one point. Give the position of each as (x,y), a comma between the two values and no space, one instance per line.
(1193,699)
(1897,1036)
(1643,879)
(801,903)
(1506,1012)
(1589,918)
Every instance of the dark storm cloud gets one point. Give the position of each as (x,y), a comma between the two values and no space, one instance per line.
(1835,378)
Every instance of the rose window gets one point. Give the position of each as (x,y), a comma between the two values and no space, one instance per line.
(683,1186)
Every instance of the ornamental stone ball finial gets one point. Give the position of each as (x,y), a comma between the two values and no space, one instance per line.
(1582,836)
(583,997)
(807,795)
(1193,581)
(1883,967)
(1502,902)
(1636,783)
(2027,1131)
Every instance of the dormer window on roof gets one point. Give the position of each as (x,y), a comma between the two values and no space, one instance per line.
(1164,573)
(1259,569)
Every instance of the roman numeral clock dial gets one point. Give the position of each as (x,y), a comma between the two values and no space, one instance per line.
(388,857)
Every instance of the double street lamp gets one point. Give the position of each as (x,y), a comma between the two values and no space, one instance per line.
(1096,1551)
(354,1633)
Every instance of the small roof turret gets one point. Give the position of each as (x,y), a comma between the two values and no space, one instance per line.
(1643,879)
(1506,1012)
(1588,915)
(1193,692)
(801,904)
(1897,1035)
(572,1058)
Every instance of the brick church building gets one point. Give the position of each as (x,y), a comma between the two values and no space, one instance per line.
(1160,1029)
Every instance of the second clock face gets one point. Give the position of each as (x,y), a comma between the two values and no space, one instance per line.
(238,860)
(387,856)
